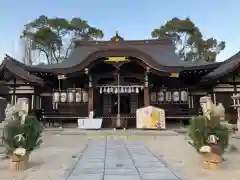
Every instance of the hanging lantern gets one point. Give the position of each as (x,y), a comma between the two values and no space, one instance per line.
(100,90)
(63,97)
(160,96)
(176,96)
(122,90)
(56,97)
(168,96)
(116,90)
(70,97)
(111,90)
(108,90)
(78,97)
(184,96)
(104,89)
(137,90)
(85,96)
(153,97)
(129,89)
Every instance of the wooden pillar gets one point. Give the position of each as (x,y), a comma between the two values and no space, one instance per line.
(14,97)
(238,109)
(234,83)
(146,96)
(214,98)
(90,99)
(40,102)
(90,91)
(32,102)
(90,95)
(146,89)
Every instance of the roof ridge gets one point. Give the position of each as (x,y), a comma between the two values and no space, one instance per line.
(163,41)
(14,60)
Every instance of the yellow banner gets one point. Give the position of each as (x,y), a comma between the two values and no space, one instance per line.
(117,59)
(174,75)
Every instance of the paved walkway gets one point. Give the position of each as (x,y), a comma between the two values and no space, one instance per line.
(118,160)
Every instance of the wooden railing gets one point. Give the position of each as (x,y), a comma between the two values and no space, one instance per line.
(58,118)
(110,121)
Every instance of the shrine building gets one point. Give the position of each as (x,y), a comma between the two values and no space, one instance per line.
(114,78)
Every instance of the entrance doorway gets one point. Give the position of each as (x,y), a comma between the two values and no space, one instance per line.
(127,109)
(124,104)
(108,103)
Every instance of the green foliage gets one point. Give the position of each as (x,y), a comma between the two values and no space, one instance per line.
(52,37)
(199,132)
(31,131)
(188,40)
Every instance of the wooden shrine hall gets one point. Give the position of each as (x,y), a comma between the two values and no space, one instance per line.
(114,78)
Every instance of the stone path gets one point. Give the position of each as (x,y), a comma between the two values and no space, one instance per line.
(118,160)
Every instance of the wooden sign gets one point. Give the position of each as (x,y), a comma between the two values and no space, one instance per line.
(174,75)
(117,59)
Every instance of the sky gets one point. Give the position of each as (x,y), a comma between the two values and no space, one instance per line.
(134,19)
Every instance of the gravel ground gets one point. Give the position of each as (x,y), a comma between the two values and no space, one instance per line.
(186,163)
(56,155)
(48,162)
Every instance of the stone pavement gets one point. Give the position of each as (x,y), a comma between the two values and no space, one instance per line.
(118,160)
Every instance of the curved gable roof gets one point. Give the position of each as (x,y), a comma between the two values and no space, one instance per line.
(225,67)
(158,54)
(18,69)
(167,61)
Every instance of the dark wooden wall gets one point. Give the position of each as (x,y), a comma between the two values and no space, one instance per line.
(76,109)
(226,100)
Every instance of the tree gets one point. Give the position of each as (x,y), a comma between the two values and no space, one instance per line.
(52,37)
(188,40)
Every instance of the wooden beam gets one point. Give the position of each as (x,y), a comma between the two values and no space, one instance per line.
(111,74)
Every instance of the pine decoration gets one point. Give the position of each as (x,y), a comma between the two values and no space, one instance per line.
(30,132)
(201,128)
